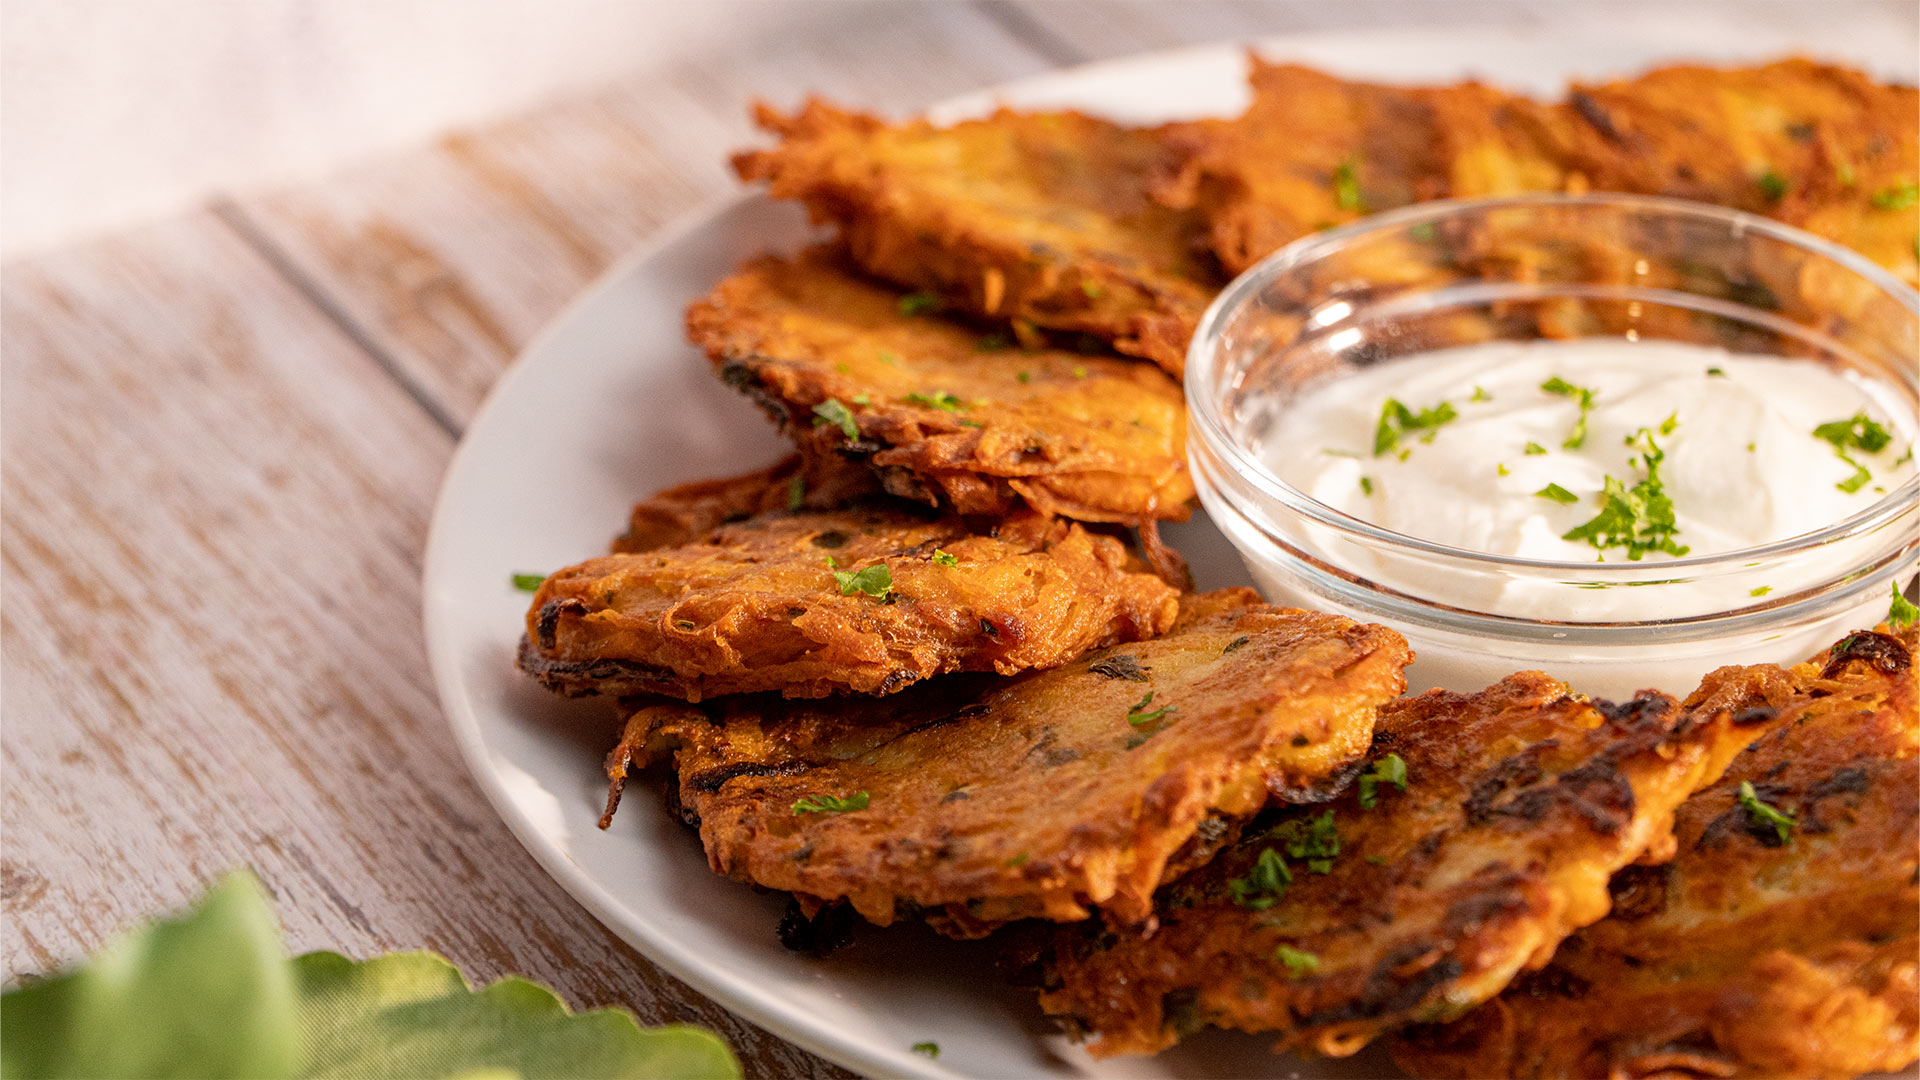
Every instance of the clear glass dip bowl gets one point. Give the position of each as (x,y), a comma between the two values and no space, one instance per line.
(1549,267)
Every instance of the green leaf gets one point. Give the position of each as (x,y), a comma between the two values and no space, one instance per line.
(1582,396)
(1902,611)
(875,580)
(207,994)
(939,399)
(919,303)
(1346,187)
(1264,884)
(1391,769)
(835,412)
(412,1014)
(1898,197)
(944,558)
(1138,716)
(831,804)
(1765,815)
(1772,185)
(1298,961)
(1396,420)
(1557,494)
(528,582)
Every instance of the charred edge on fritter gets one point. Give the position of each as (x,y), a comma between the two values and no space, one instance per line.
(711,780)
(1596,114)
(1327,788)
(829,929)
(548,623)
(1884,653)
(587,678)
(1639,891)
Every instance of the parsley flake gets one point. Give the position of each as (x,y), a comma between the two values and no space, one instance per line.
(1397,420)
(994,342)
(939,399)
(1138,716)
(796,491)
(1314,840)
(1761,590)
(1557,494)
(830,804)
(528,582)
(1025,377)
(932,1050)
(1640,518)
(1346,187)
(1902,611)
(1091,290)
(1772,185)
(1761,814)
(1717,372)
(1297,962)
(919,303)
(876,580)
(1534,449)
(1391,769)
(1480,394)
(1264,884)
(1366,485)
(1582,395)
(944,559)
(835,413)
(1857,432)
(1502,469)
(1897,197)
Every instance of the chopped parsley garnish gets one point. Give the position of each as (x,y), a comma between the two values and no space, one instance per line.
(1761,590)
(1640,518)
(528,582)
(1480,394)
(919,303)
(830,804)
(1534,449)
(1366,485)
(1557,494)
(1264,884)
(1672,421)
(1138,716)
(971,423)
(1315,841)
(1717,372)
(1902,611)
(1763,815)
(1857,432)
(796,491)
(875,580)
(1501,468)
(1397,420)
(1905,456)
(1772,185)
(1297,962)
(944,559)
(1025,376)
(939,399)
(1577,437)
(1346,187)
(1018,860)
(932,1050)
(1897,197)
(1391,769)
(833,411)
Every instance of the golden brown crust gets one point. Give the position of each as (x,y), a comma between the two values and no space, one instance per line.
(754,605)
(1087,437)
(685,514)
(1520,801)
(1042,795)
(1747,955)
(1042,218)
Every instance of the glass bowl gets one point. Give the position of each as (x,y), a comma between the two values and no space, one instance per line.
(1550,267)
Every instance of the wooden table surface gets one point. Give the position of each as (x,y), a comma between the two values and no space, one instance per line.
(222,435)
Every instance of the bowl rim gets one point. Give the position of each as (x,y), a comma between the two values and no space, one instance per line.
(1202,371)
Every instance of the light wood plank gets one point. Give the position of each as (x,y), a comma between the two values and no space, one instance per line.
(453,257)
(212,653)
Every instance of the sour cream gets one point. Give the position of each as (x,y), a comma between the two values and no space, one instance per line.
(1735,435)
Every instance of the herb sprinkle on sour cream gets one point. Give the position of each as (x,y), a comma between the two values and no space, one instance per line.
(1666,449)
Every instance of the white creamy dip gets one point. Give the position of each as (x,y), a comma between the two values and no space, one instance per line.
(1741,463)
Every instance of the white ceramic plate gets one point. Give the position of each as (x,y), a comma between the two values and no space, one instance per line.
(609,405)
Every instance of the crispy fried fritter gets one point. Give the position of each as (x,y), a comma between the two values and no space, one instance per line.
(1818,146)
(685,514)
(1042,795)
(1758,951)
(1043,217)
(757,605)
(1490,142)
(1519,802)
(941,418)
(1311,151)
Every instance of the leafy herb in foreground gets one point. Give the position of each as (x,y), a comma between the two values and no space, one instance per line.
(1582,396)
(1902,611)
(1638,519)
(876,580)
(1761,814)
(1391,769)
(834,412)
(1264,884)
(830,804)
(1397,420)
(528,582)
(1297,962)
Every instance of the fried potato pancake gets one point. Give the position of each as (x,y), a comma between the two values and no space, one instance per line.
(981,800)
(834,358)
(1311,151)
(1822,147)
(1780,941)
(687,513)
(865,599)
(1331,926)
(1042,218)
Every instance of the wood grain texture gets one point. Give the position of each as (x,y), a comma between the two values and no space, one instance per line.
(211,653)
(451,258)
